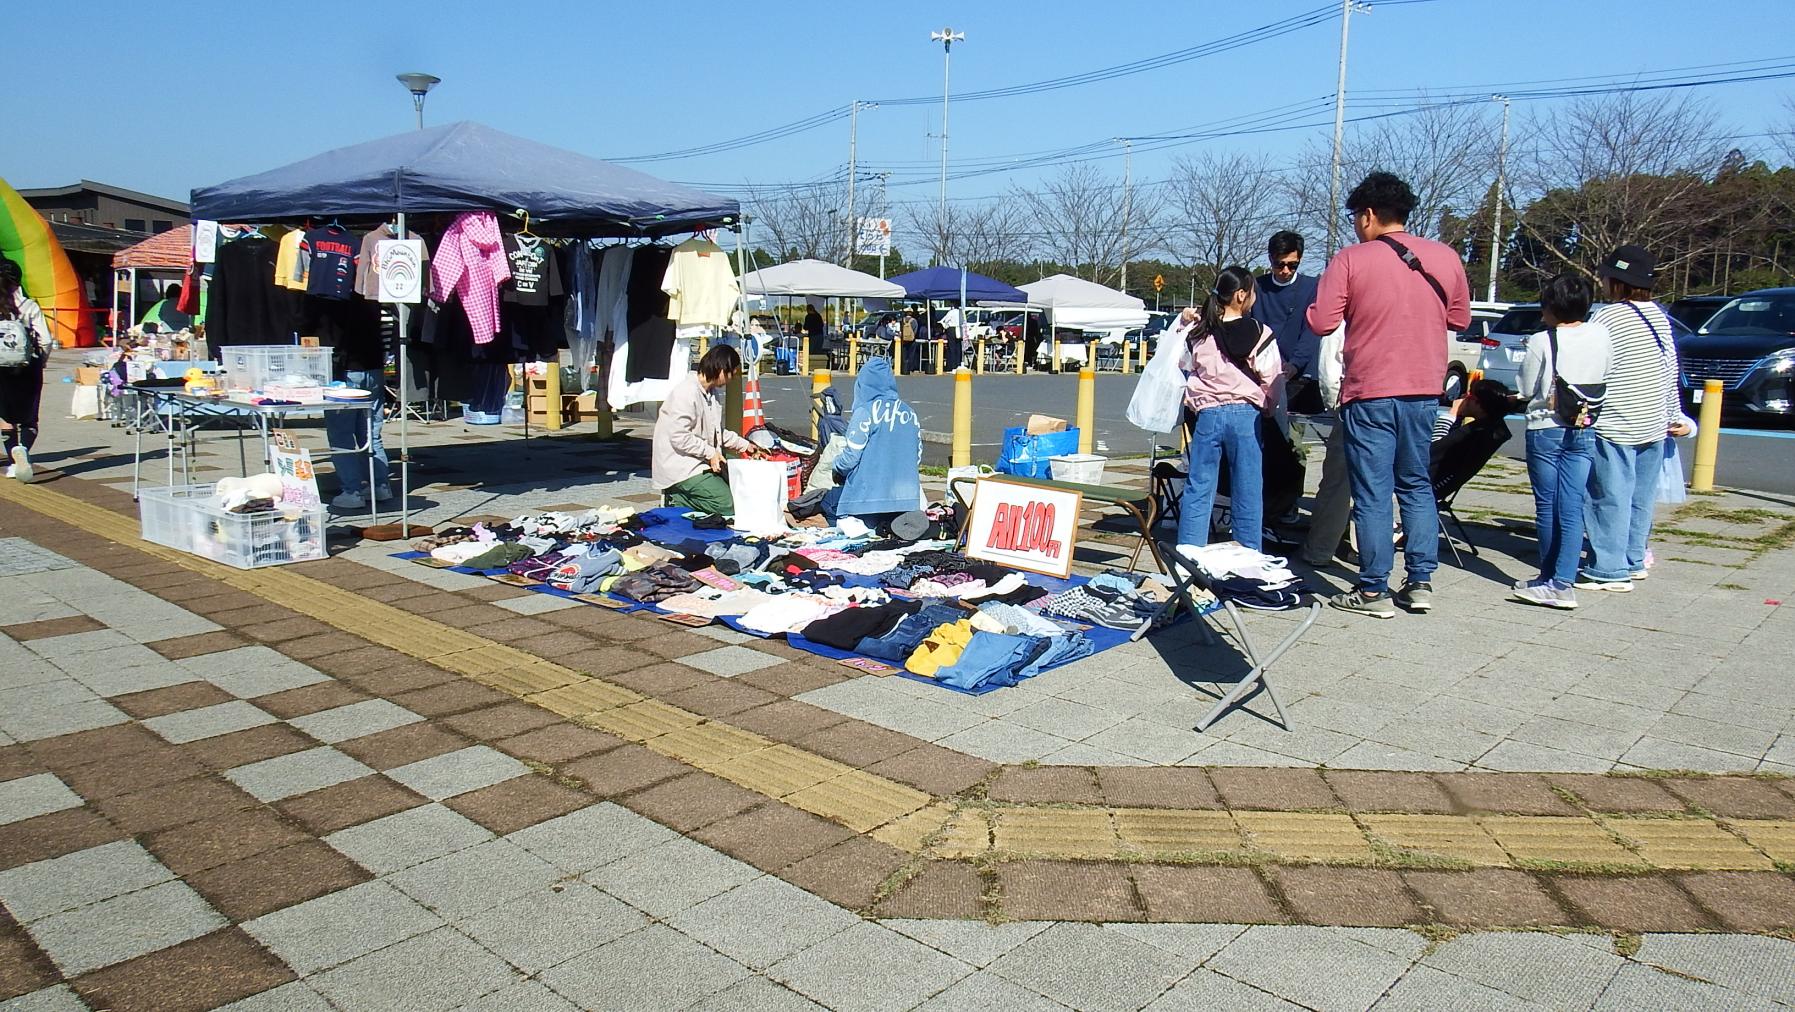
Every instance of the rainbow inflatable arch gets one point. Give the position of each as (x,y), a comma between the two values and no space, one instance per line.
(26,240)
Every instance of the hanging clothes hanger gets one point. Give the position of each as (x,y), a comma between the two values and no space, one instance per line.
(525,230)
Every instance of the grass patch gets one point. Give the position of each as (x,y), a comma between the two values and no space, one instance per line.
(1627,945)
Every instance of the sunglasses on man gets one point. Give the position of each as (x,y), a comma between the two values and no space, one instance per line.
(1286,265)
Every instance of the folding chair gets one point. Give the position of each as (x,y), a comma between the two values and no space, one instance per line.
(1186,575)
(1454,460)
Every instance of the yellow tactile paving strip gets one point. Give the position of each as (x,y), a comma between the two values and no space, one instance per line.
(969,827)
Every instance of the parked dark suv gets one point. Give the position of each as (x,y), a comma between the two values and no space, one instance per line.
(1694,310)
(1749,345)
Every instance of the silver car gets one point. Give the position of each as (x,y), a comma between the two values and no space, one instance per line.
(1506,344)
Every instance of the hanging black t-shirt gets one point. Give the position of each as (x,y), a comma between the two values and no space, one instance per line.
(333,250)
(535,272)
(245,306)
(651,333)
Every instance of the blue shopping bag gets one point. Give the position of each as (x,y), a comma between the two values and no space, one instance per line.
(1027,456)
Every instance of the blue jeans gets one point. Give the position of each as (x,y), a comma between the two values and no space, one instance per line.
(1558,465)
(345,430)
(1623,489)
(1387,441)
(1230,431)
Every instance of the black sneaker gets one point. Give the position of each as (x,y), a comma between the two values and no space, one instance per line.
(1360,601)
(1417,597)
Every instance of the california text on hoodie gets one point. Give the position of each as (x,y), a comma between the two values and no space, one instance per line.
(883,455)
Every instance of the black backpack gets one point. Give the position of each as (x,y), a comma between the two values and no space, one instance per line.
(1576,406)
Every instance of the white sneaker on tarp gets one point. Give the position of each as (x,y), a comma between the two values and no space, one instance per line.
(349,501)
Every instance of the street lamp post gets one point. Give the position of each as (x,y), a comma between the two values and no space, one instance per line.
(947,37)
(1347,9)
(419,85)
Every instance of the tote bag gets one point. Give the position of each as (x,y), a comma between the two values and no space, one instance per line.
(1159,396)
(760,490)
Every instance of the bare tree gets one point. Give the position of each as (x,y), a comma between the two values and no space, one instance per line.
(1616,169)
(806,219)
(1445,152)
(1221,208)
(1077,218)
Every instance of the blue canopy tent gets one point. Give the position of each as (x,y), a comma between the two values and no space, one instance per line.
(956,283)
(464,167)
(469,167)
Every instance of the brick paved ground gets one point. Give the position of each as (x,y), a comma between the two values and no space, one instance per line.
(361,784)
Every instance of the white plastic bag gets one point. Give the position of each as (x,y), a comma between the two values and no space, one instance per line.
(1159,396)
(1670,475)
(759,490)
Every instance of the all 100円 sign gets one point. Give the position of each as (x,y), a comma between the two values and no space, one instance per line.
(1023,526)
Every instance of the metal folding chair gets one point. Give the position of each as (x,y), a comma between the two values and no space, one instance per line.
(1186,576)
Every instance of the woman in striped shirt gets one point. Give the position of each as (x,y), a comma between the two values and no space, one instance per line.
(1639,409)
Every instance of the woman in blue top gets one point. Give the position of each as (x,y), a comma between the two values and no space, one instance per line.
(879,472)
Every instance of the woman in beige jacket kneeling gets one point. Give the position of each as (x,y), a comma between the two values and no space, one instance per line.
(689,438)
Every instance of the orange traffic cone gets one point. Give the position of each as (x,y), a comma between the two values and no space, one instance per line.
(753,414)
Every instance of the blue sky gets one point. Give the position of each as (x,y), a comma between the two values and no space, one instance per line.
(192,94)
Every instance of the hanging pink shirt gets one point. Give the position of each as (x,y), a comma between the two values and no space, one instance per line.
(470,262)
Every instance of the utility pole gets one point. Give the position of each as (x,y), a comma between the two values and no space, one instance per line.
(1127,201)
(853,143)
(947,37)
(1347,8)
(1501,187)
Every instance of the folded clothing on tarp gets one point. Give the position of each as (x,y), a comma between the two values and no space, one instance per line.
(654,584)
(845,629)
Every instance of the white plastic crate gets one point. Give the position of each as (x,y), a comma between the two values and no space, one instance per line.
(255,366)
(184,517)
(1083,468)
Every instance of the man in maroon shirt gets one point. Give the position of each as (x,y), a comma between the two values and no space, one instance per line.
(1398,295)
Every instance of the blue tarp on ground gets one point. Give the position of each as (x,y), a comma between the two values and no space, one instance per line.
(468,167)
(944,283)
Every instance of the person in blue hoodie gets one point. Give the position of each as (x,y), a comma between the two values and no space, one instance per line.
(879,472)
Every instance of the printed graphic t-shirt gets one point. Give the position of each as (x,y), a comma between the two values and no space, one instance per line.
(535,274)
(334,250)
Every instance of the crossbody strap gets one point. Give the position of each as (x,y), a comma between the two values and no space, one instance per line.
(1408,257)
(1653,330)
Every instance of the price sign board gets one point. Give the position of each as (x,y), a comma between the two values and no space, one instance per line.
(298,482)
(1023,527)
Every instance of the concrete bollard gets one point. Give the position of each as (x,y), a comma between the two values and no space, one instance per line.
(962,454)
(1087,409)
(819,381)
(1707,440)
(551,395)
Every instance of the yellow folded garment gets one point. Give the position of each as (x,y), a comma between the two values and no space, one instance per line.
(941,648)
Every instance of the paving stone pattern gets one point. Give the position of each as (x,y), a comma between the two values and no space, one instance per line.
(208,800)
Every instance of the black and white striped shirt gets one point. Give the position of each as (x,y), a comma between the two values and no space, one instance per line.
(1641,400)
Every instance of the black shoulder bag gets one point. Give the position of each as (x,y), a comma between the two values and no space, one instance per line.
(1576,406)
(1408,257)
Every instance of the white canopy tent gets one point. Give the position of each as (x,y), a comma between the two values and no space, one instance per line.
(818,277)
(1077,304)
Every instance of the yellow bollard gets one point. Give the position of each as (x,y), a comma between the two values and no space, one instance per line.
(819,381)
(897,357)
(940,355)
(1127,357)
(854,355)
(732,404)
(1055,365)
(1021,350)
(979,364)
(1707,440)
(962,455)
(804,355)
(551,395)
(1087,408)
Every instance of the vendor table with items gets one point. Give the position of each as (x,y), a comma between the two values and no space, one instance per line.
(182,417)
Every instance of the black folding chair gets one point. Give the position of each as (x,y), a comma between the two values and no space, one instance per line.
(1187,576)
(1453,461)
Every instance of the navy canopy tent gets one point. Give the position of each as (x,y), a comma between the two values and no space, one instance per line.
(468,167)
(945,283)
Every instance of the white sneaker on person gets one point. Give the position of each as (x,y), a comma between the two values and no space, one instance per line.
(349,501)
(21,465)
(9,470)
(1547,596)
(1611,586)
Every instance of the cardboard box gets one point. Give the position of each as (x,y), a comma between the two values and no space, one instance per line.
(88,375)
(1039,424)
